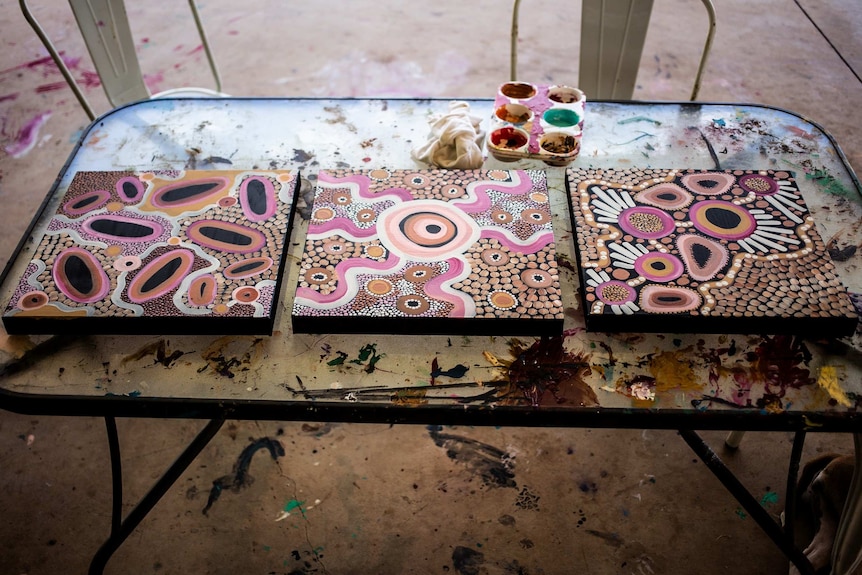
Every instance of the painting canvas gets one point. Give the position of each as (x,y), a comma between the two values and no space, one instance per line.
(164,252)
(433,251)
(732,251)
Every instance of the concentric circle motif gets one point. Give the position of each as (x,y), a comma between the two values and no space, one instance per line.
(419,274)
(760,185)
(379,175)
(668,299)
(375,251)
(659,267)
(499,216)
(615,293)
(334,247)
(366,215)
(426,230)
(378,286)
(416,180)
(342,198)
(246,294)
(495,257)
(412,304)
(502,300)
(323,214)
(536,278)
(535,217)
(127,263)
(723,220)
(498,175)
(539,197)
(453,191)
(646,222)
(318,276)
(32,300)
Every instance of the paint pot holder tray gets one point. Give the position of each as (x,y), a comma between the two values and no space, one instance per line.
(538,122)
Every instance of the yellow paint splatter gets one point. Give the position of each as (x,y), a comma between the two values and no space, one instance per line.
(672,370)
(828,380)
(494,360)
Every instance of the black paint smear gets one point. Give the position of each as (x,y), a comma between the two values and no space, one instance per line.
(239,477)
(491,463)
(467,561)
(611,538)
(159,350)
(546,366)
(456,372)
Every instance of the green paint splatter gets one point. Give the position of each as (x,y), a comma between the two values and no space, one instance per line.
(266,547)
(828,182)
(770,498)
(639,119)
(338,360)
(741,513)
(293,504)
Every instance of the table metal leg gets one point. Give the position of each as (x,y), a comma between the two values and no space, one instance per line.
(847,549)
(749,503)
(792,481)
(120,528)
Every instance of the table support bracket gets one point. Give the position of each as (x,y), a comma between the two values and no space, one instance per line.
(747,500)
(122,528)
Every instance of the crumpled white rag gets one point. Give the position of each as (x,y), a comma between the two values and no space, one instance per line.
(455,141)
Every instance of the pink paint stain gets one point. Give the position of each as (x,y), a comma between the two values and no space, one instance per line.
(154,81)
(27,137)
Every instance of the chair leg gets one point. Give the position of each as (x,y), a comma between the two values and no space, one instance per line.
(847,549)
(733,439)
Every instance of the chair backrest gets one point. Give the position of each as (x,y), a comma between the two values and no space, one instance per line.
(612,40)
(105,29)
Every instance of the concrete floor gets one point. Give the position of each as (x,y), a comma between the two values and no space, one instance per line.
(371,498)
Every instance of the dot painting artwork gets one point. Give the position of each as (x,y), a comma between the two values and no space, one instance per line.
(434,251)
(168,252)
(703,252)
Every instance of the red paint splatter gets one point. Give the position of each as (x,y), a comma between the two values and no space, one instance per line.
(198,48)
(366,159)
(26,138)
(233,32)
(54,86)
(9,97)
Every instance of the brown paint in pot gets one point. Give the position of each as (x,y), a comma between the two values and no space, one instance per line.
(509,138)
(518,90)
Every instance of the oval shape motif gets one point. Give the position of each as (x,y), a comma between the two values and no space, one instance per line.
(123,228)
(708,183)
(659,267)
(704,258)
(86,203)
(257,198)
(225,236)
(667,299)
(247,268)
(160,275)
(130,189)
(187,192)
(723,220)
(79,275)
(202,290)
(665,195)
(646,222)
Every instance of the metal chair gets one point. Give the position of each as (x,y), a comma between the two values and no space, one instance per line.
(104,26)
(612,40)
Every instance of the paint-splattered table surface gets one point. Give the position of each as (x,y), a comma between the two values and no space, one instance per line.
(579,379)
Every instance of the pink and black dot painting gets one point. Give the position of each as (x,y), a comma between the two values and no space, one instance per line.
(159,252)
(732,251)
(431,251)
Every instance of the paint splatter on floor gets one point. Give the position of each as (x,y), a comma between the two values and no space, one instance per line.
(239,477)
(493,465)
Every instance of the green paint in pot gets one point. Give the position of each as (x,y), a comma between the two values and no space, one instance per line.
(561,117)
